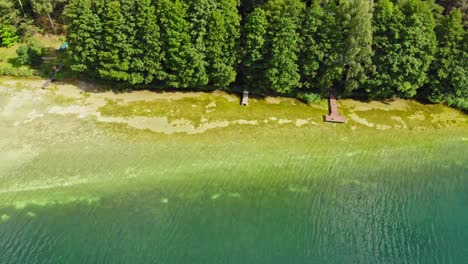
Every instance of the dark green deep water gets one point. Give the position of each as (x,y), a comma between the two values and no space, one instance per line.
(76,191)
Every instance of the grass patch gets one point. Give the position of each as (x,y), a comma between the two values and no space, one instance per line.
(7,55)
(63,100)
(50,44)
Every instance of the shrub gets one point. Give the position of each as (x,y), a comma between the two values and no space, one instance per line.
(23,55)
(27,29)
(35,54)
(8,36)
(458,102)
(18,72)
(29,54)
(309,98)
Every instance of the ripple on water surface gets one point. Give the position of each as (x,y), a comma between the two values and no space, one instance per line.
(74,190)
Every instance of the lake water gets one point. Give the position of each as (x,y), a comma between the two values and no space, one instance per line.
(80,187)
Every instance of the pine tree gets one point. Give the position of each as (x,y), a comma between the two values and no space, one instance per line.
(311,54)
(45,8)
(418,45)
(146,62)
(199,15)
(222,44)
(321,61)
(283,45)
(116,48)
(404,47)
(83,36)
(387,23)
(8,14)
(255,34)
(449,72)
(330,44)
(357,16)
(180,71)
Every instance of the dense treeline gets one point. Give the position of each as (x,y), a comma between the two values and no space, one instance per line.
(368,48)
(185,44)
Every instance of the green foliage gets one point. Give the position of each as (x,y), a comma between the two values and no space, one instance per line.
(8,13)
(198,15)
(309,98)
(322,34)
(283,44)
(179,69)
(27,28)
(255,30)
(387,23)
(283,71)
(404,45)
(46,8)
(20,15)
(357,18)
(457,102)
(311,54)
(23,55)
(116,47)
(8,36)
(18,72)
(146,64)
(419,44)
(222,44)
(84,35)
(286,46)
(29,54)
(449,72)
(451,5)
(42,7)
(9,21)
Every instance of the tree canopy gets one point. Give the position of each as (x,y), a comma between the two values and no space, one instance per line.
(366,48)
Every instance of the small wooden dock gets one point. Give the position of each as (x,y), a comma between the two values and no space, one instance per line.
(333,115)
(245,97)
(52,76)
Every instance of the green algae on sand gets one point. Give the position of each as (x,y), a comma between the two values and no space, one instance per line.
(196,173)
(61,140)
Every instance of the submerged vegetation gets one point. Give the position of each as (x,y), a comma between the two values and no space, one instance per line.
(373,49)
(161,173)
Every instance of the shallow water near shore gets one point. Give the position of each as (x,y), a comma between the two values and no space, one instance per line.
(98,177)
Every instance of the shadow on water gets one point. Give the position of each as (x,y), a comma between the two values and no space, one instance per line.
(286,214)
(73,190)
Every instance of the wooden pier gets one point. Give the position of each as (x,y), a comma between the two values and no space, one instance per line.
(245,97)
(52,76)
(333,115)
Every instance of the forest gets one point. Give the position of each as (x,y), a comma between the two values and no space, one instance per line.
(372,49)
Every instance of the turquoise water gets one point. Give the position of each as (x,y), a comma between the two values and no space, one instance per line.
(73,190)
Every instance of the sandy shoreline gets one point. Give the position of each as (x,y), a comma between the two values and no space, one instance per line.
(67,139)
(197,112)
